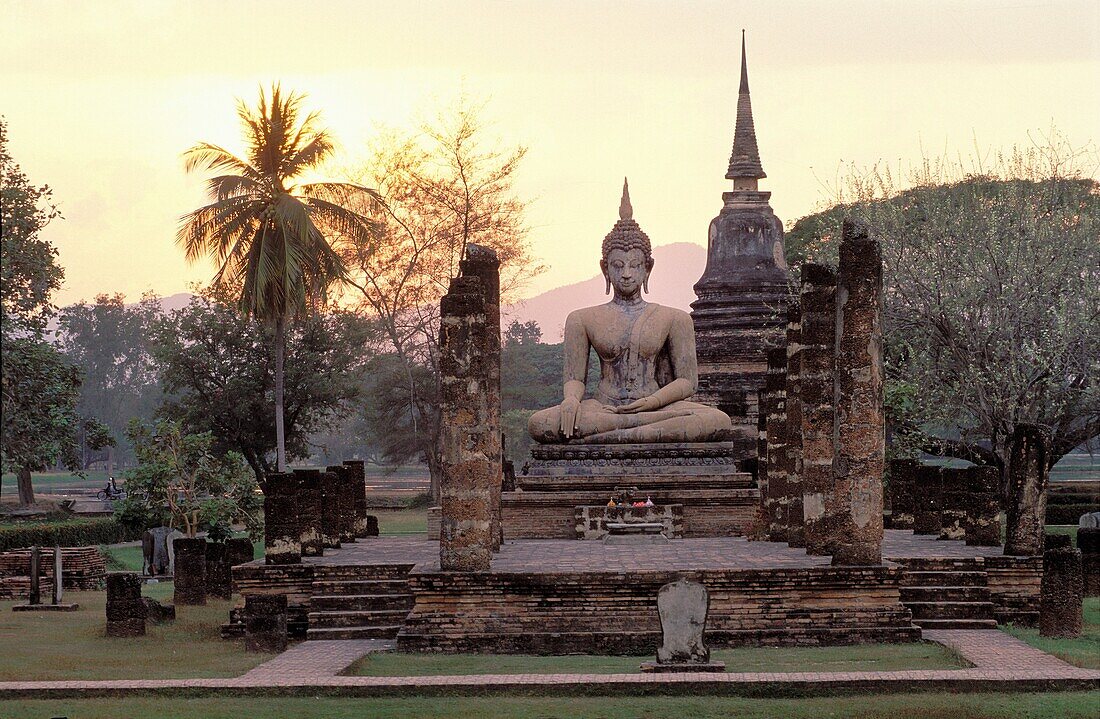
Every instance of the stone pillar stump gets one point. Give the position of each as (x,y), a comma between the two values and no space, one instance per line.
(860,435)
(219,578)
(190,579)
(331,515)
(1088,542)
(265,622)
(818,302)
(903,478)
(796,536)
(956,497)
(282,537)
(1027,491)
(1060,602)
(927,499)
(125,610)
(470,466)
(357,470)
(309,512)
(983,525)
(775,509)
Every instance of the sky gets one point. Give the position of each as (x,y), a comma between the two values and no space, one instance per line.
(102,97)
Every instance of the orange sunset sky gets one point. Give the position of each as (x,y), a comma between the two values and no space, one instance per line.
(101,97)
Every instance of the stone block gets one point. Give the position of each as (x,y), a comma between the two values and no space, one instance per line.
(331,515)
(282,535)
(1088,542)
(125,610)
(927,499)
(1060,611)
(308,493)
(190,578)
(158,613)
(265,622)
(357,471)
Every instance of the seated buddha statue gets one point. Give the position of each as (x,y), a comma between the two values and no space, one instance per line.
(648,369)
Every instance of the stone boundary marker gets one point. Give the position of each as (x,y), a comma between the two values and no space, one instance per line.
(1002,663)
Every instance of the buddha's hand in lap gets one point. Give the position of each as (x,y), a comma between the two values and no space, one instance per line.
(645,404)
(569,409)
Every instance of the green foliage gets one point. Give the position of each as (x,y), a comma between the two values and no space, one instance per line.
(65,533)
(218,376)
(992,283)
(29,272)
(402,407)
(112,344)
(180,473)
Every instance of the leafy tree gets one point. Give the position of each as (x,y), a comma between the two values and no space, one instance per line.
(111,343)
(992,291)
(39,388)
(217,375)
(267,234)
(180,478)
(439,189)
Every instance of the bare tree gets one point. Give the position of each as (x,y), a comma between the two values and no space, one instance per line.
(439,190)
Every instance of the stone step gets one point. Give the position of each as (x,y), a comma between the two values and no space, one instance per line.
(359,586)
(955,623)
(938,578)
(943,564)
(945,610)
(327,572)
(376,618)
(385,632)
(360,602)
(944,594)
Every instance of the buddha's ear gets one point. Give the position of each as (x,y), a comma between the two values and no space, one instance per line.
(648,270)
(606,277)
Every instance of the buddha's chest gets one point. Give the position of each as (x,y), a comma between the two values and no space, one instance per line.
(624,338)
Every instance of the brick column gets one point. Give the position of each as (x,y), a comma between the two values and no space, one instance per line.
(482,262)
(470,467)
(125,610)
(860,430)
(282,539)
(796,536)
(358,471)
(219,578)
(818,302)
(760,520)
(903,478)
(189,583)
(776,387)
(1027,491)
(330,506)
(1060,609)
(238,550)
(956,496)
(344,513)
(265,622)
(927,499)
(983,527)
(309,512)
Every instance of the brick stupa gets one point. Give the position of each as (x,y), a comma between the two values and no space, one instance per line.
(742,296)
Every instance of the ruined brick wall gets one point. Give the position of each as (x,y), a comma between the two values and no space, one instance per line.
(609,613)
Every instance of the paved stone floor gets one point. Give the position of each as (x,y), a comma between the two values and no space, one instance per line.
(1000,662)
(567,555)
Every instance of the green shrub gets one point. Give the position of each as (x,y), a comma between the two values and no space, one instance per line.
(65,533)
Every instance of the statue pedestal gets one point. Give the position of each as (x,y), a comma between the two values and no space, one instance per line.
(717,498)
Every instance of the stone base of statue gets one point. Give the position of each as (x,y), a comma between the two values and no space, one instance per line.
(564,481)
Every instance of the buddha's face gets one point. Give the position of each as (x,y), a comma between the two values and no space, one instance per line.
(627,271)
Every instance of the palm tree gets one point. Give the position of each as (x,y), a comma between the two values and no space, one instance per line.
(262,230)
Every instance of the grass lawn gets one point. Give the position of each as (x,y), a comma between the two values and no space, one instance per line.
(1070,529)
(72,645)
(59,480)
(1084,651)
(1075,705)
(866,658)
(401,521)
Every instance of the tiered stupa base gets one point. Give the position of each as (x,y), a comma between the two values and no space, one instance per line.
(700,485)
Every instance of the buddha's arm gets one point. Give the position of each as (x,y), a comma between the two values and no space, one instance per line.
(574,373)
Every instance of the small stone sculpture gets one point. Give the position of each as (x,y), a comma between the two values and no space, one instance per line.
(683,606)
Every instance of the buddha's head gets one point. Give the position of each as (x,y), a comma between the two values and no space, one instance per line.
(627,255)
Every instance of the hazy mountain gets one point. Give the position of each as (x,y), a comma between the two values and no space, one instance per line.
(677,267)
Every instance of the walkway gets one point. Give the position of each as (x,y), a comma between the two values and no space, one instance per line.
(1001,663)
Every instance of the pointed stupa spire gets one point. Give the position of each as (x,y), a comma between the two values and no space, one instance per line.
(745,158)
(626,212)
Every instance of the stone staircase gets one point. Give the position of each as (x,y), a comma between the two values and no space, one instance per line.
(359,602)
(945,593)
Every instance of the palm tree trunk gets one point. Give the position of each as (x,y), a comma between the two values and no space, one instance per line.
(26,489)
(280,435)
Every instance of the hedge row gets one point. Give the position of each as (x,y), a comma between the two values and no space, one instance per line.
(65,533)
(1069,513)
